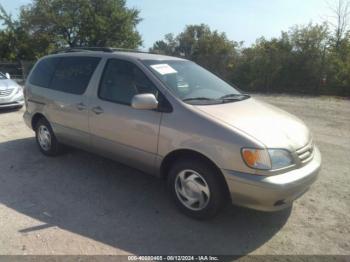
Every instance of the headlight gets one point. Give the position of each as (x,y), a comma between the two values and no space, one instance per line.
(280,158)
(266,159)
(19,89)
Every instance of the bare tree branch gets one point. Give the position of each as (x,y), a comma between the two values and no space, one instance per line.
(340,19)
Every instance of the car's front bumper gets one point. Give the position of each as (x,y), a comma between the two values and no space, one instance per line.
(16,100)
(271,193)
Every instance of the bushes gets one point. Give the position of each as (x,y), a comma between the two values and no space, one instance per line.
(304,60)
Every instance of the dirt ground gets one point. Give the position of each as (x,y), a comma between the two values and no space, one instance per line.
(80,203)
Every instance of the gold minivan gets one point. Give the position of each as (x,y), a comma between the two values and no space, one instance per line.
(171,118)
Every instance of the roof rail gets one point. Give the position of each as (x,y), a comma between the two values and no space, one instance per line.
(96,49)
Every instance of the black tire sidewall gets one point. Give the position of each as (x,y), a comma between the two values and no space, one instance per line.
(55,147)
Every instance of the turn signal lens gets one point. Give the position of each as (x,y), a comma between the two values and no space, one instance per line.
(256,158)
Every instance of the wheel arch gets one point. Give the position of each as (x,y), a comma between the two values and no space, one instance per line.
(36,118)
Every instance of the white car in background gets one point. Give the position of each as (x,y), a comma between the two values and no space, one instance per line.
(11,94)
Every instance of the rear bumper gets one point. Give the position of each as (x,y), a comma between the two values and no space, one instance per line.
(27,117)
(272,193)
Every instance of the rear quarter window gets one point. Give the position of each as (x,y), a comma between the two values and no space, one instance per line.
(43,72)
(72,74)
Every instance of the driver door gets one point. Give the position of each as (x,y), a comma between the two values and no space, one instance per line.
(126,134)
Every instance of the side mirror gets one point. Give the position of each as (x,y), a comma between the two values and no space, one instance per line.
(144,102)
(8,76)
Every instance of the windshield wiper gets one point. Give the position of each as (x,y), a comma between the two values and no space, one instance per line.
(235,97)
(197,98)
(223,99)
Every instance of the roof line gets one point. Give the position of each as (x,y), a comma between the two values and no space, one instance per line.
(97,49)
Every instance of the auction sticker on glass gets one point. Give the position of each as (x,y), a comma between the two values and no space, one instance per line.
(164,69)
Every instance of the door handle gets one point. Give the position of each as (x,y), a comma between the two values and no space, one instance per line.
(81,106)
(97,110)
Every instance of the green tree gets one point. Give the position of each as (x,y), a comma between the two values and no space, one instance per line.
(12,38)
(310,45)
(210,49)
(296,62)
(83,22)
(168,46)
(46,25)
(338,73)
(261,66)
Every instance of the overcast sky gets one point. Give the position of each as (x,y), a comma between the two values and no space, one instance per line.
(242,20)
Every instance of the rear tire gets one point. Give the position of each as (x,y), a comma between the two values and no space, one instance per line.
(196,188)
(46,139)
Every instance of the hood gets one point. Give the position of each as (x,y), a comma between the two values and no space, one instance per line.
(7,83)
(270,125)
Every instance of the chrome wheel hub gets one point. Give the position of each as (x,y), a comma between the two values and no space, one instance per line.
(192,190)
(44,138)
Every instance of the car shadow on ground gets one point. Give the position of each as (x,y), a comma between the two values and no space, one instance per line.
(9,110)
(119,206)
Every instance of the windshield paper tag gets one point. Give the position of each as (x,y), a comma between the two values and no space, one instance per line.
(164,69)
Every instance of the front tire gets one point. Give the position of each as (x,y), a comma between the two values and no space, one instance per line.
(46,139)
(197,189)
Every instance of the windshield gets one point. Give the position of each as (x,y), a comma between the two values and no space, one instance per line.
(192,83)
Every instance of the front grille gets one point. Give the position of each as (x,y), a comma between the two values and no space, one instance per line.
(305,153)
(6,92)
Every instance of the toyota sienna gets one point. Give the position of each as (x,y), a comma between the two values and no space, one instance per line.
(172,118)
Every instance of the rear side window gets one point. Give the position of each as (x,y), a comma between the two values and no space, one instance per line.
(42,73)
(72,74)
